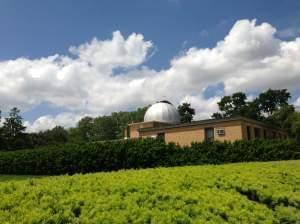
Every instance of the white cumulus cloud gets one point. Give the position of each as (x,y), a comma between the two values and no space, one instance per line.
(250,58)
(46,122)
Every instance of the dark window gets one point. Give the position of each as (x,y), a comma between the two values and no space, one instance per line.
(161,136)
(128,132)
(265,134)
(248,132)
(279,135)
(273,134)
(257,132)
(209,134)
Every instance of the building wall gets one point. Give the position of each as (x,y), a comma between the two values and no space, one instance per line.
(265,132)
(186,135)
(132,131)
(233,131)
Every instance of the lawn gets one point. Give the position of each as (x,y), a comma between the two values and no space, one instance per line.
(266,192)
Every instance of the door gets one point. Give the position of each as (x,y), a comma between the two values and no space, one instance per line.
(209,134)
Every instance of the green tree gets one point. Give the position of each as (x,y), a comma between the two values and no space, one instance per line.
(272,99)
(104,128)
(292,125)
(13,130)
(85,127)
(13,125)
(237,105)
(280,117)
(57,135)
(186,112)
(124,118)
(2,142)
(295,128)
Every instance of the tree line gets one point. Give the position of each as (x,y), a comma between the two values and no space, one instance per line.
(271,106)
(88,129)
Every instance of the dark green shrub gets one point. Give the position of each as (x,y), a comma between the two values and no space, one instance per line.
(140,153)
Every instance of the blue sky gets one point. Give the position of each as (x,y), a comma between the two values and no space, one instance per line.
(38,29)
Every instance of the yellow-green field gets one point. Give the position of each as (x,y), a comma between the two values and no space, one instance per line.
(235,193)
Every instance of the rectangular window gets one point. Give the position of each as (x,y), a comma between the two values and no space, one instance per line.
(248,133)
(209,134)
(273,134)
(265,134)
(161,136)
(257,132)
(128,132)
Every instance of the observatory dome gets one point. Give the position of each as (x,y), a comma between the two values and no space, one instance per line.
(162,111)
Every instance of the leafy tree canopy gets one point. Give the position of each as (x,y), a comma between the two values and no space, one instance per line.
(186,112)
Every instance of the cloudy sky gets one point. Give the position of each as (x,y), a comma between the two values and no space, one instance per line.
(61,60)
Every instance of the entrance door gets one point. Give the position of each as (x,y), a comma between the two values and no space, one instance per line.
(209,134)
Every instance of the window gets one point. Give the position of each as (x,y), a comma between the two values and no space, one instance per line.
(257,132)
(128,132)
(161,136)
(265,134)
(209,134)
(220,131)
(248,132)
(273,134)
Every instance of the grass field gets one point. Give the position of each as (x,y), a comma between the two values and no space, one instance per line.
(234,193)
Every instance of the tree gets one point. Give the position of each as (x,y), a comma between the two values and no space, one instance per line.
(261,108)
(271,100)
(2,142)
(85,126)
(280,117)
(236,105)
(270,106)
(293,124)
(186,112)
(57,135)
(13,125)
(122,119)
(13,130)
(104,128)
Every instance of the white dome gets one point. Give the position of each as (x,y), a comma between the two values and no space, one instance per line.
(162,111)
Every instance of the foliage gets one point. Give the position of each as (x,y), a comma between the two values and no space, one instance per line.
(186,112)
(12,131)
(13,125)
(140,153)
(292,123)
(235,193)
(271,107)
(270,100)
(104,127)
(237,105)
(263,106)
(13,137)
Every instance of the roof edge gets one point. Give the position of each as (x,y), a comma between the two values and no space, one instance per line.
(211,121)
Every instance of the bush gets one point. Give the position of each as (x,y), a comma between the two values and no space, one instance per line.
(262,193)
(141,153)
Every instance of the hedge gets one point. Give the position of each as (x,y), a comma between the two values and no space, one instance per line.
(141,153)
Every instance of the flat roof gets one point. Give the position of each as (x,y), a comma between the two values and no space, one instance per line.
(210,121)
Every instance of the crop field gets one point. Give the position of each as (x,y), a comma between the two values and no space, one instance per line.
(262,192)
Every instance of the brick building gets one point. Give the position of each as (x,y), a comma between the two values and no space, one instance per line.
(162,121)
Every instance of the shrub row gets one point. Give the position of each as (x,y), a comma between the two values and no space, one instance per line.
(142,153)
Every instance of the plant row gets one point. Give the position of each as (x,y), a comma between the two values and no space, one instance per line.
(266,193)
(141,153)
